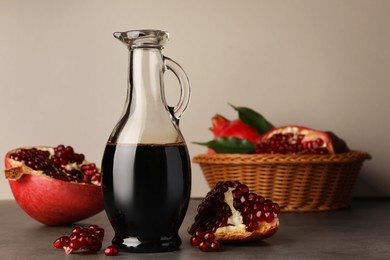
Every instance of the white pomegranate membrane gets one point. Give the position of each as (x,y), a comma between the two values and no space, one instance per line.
(229,212)
(60,163)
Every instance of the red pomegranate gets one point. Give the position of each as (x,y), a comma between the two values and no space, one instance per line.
(231,213)
(222,127)
(54,185)
(225,128)
(300,140)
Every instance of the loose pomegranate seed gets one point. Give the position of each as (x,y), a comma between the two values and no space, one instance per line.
(87,238)
(204,246)
(58,242)
(74,244)
(111,251)
(77,229)
(214,246)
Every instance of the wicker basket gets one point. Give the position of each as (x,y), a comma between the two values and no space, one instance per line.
(296,182)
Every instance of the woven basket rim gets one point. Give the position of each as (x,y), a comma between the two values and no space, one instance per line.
(352,156)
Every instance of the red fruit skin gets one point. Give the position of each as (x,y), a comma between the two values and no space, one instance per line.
(223,127)
(219,123)
(339,145)
(238,129)
(54,202)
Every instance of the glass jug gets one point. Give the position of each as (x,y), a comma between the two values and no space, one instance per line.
(146,165)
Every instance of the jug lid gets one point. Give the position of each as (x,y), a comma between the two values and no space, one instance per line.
(143,38)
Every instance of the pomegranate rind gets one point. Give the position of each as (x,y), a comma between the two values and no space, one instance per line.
(264,231)
(14,173)
(50,201)
(235,235)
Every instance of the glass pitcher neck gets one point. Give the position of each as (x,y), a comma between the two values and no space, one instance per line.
(145,73)
(143,38)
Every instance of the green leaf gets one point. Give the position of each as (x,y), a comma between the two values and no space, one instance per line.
(229,145)
(251,118)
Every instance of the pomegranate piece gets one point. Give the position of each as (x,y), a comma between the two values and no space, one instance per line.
(230,212)
(300,140)
(82,238)
(54,185)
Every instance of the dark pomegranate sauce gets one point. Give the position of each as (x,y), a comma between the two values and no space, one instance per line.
(146,191)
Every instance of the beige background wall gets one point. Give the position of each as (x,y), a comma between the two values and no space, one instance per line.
(323,64)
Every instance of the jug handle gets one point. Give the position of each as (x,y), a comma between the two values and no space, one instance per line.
(185,89)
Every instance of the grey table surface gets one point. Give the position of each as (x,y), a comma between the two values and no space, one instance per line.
(360,232)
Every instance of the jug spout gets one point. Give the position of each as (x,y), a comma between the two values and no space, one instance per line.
(143,38)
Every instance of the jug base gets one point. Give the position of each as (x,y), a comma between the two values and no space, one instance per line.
(135,245)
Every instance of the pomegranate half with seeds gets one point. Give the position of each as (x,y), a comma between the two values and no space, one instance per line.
(54,185)
(231,213)
(300,140)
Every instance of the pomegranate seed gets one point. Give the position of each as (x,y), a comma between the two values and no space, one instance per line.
(57,243)
(276,208)
(69,149)
(209,236)
(59,147)
(269,217)
(243,189)
(195,241)
(77,229)
(89,238)
(236,194)
(74,244)
(96,247)
(214,246)
(111,251)
(204,246)
(65,241)
(199,233)
(268,206)
(251,197)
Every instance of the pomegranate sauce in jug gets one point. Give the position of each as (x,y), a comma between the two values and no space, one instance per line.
(150,199)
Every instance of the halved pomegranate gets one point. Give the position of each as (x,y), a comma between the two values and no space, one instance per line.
(231,213)
(300,140)
(54,185)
